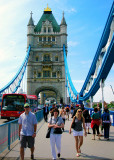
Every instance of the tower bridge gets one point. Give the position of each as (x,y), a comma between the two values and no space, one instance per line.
(48,75)
(45,69)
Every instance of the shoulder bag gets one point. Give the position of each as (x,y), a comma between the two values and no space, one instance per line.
(57,130)
(73,124)
(48,131)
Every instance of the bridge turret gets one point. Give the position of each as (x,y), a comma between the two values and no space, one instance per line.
(30,31)
(63,30)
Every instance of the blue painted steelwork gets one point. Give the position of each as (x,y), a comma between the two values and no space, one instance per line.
(71,89)
(9,132)
(14,84)
(103,73)
(101,45)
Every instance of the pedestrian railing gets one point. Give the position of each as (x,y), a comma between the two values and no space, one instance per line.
(91,110)
(9,132)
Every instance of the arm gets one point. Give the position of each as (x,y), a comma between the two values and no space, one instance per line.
(84,127)
(20,126)
(35,127)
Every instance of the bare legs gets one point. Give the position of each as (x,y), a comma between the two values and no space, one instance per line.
(78,142)
(22,152)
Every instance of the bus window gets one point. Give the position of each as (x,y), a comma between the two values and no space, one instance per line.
(13,103)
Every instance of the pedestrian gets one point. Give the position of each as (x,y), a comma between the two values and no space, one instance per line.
(45,112)
(79,121)
(55,122)
(67,112)
(95,122)
(27,130)
(71,110)
(106,123)
(52,109)
(87,120)
(63,115)
(75,110)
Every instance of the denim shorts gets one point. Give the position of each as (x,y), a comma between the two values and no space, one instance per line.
(26,141)
(77,133)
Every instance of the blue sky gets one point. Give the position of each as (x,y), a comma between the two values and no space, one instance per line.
(85,23)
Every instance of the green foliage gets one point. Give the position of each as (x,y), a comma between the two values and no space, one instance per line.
(88,101)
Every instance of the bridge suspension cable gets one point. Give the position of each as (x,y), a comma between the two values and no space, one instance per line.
(15,83)
(71,89)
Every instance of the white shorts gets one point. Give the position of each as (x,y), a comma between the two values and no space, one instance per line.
(77,133)
(87,125)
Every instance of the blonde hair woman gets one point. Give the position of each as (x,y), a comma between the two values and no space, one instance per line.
(78,120)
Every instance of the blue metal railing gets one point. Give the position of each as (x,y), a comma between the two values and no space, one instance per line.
(9,132)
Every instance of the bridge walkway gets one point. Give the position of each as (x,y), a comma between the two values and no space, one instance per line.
(91,149)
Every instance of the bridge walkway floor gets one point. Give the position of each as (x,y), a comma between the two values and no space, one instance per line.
(91,149)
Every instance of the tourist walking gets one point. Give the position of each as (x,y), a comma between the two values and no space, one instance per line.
(67,112)
(106,123)
(27,130)
(71,110)
(87,120)
(56,124)
(78,121)
(63,115)
(45,112)
(95,122)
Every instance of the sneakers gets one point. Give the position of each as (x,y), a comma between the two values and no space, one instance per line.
(32,156)
(58,155)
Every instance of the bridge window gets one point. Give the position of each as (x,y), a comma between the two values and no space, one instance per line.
(49,39)
(39,74)
(56,58)
(44,39)
(37,59)
(53,39)
(53,74)
(46,57)
(46,74)
(44,29)
(49,29)
(40,39)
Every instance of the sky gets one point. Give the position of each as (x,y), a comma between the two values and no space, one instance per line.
(85,23)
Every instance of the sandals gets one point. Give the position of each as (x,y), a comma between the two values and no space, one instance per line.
(93,138)
(77,155)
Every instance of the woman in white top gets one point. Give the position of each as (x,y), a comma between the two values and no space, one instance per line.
(55,138)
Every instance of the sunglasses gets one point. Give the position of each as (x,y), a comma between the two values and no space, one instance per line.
(79,111)
(26,107)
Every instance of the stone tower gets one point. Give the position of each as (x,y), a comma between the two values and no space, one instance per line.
(45,69)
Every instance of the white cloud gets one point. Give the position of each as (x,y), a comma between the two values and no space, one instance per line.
(72,44)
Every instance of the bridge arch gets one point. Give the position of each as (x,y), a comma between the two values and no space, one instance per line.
(49,91)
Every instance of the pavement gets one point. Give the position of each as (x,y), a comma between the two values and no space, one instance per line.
(91,149)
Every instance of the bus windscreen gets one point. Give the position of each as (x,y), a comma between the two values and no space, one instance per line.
(13,103)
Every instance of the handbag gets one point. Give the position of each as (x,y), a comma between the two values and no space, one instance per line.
(57,130)
(48,133)
(73,124)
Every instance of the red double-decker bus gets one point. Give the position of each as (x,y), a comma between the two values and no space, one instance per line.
(13,104)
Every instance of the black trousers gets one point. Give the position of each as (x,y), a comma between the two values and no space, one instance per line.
(95,127)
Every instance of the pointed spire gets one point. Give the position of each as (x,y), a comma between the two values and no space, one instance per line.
(31,22)
(63,22)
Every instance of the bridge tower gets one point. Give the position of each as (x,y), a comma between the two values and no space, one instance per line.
(45,69)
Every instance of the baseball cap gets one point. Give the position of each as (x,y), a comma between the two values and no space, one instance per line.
(26,105)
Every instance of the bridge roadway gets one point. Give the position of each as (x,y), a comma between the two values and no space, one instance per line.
(91,149)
